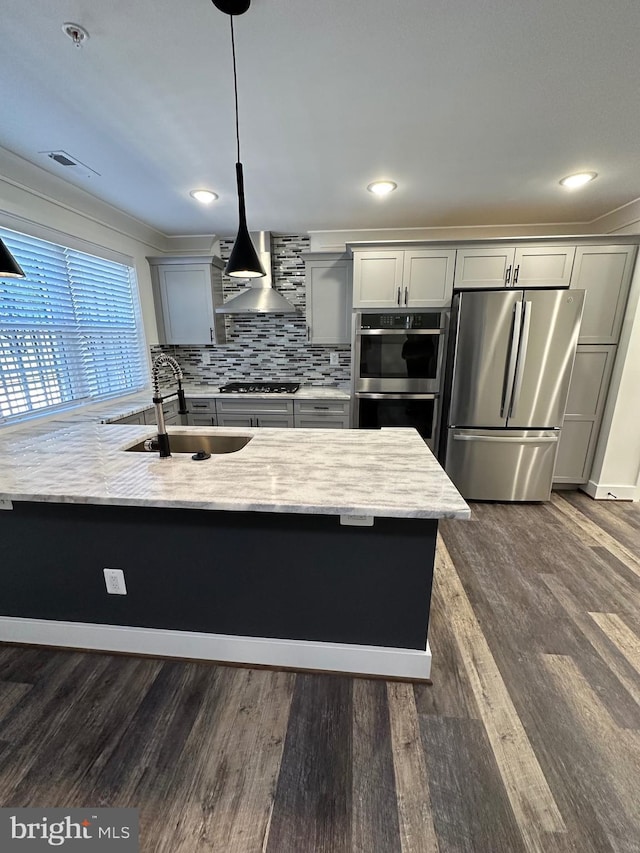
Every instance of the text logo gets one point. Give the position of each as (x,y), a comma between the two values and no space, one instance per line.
(71,830)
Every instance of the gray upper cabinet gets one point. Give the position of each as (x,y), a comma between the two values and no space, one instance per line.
(605,273)
(186,293)
(328,298)
(403,278)
(519,266)
(377,278)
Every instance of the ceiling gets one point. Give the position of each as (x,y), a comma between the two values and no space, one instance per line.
(475,109)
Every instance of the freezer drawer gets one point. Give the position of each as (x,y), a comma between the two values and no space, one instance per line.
(502,465)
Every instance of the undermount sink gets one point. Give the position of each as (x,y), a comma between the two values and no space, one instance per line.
(193,442)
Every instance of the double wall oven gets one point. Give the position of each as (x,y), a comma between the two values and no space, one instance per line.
(398,361)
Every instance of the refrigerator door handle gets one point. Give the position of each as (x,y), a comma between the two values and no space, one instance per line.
(522,357)
(507,393)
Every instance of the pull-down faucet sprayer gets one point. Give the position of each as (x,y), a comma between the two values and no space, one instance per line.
(164,360)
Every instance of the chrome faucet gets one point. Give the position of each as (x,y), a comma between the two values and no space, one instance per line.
(164,360)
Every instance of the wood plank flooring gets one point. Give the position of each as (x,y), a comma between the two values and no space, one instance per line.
(527,741)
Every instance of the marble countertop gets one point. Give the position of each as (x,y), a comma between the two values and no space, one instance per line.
(388,472)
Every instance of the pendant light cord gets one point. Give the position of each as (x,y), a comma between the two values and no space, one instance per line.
(235,87)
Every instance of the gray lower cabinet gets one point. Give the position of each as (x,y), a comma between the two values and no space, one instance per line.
(254,413)
(587,397)
(170,412)
(202,411)
(321,414)
(131,419)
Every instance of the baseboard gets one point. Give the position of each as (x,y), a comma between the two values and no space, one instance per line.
(601,492)
(290,654)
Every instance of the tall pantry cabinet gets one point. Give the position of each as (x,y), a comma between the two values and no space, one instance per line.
(604,272)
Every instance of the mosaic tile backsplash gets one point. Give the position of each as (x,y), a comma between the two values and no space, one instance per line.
(265,347)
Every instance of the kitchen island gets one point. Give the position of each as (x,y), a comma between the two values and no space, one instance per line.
(306,548)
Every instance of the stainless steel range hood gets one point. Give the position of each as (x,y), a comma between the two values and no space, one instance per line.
(260,297)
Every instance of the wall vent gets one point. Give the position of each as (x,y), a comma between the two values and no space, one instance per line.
(63,158)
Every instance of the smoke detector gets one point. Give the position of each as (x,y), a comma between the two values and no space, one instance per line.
(76,33)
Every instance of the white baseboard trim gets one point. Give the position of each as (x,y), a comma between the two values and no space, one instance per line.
(260,651)
(601,492)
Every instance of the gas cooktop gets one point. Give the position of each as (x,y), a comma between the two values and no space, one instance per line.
(260,388)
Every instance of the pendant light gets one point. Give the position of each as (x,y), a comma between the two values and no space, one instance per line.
(243,261)
(9,267)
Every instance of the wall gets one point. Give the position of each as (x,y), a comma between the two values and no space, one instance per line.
(265,347)
(58,212)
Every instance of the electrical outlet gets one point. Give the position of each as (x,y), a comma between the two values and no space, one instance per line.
(334,358)
(114,581)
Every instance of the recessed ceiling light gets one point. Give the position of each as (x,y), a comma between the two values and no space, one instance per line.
(578,180)
(203,196)
(382,187)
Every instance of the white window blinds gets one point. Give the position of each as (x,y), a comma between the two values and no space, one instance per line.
(70,331)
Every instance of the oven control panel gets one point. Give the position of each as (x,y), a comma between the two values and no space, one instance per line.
(428,320)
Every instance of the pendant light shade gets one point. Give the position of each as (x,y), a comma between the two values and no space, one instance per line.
(9,267)
(243,261)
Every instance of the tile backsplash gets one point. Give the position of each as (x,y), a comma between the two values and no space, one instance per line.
(265,347)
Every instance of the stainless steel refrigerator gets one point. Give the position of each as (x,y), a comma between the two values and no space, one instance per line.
(509,373)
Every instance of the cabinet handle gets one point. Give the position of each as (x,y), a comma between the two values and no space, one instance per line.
(257,422)
(321,407)
(211,333)
(406,296)
(200,405)
(398,296)
(515,274)
(308,333)
(508,277)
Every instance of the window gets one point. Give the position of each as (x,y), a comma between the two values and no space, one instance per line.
(70,331)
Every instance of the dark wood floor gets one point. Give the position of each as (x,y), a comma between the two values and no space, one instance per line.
(527,740)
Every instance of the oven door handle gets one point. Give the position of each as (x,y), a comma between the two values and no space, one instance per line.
(398,395)
(362,332)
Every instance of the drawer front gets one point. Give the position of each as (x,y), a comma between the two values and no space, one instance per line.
(321,407)
(201,405)
(255,407)
(320,421)
(502,465)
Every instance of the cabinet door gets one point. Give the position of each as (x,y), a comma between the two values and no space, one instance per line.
(377,279)
(274,421)
(605,273)
(484,267)
(187,307)
(585,405)
(201,420)
(543,266)
(186,295)
(131,419)
(235,420)
(428,278)
(328,291)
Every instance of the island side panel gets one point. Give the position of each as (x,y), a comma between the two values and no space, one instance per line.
(287,576)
